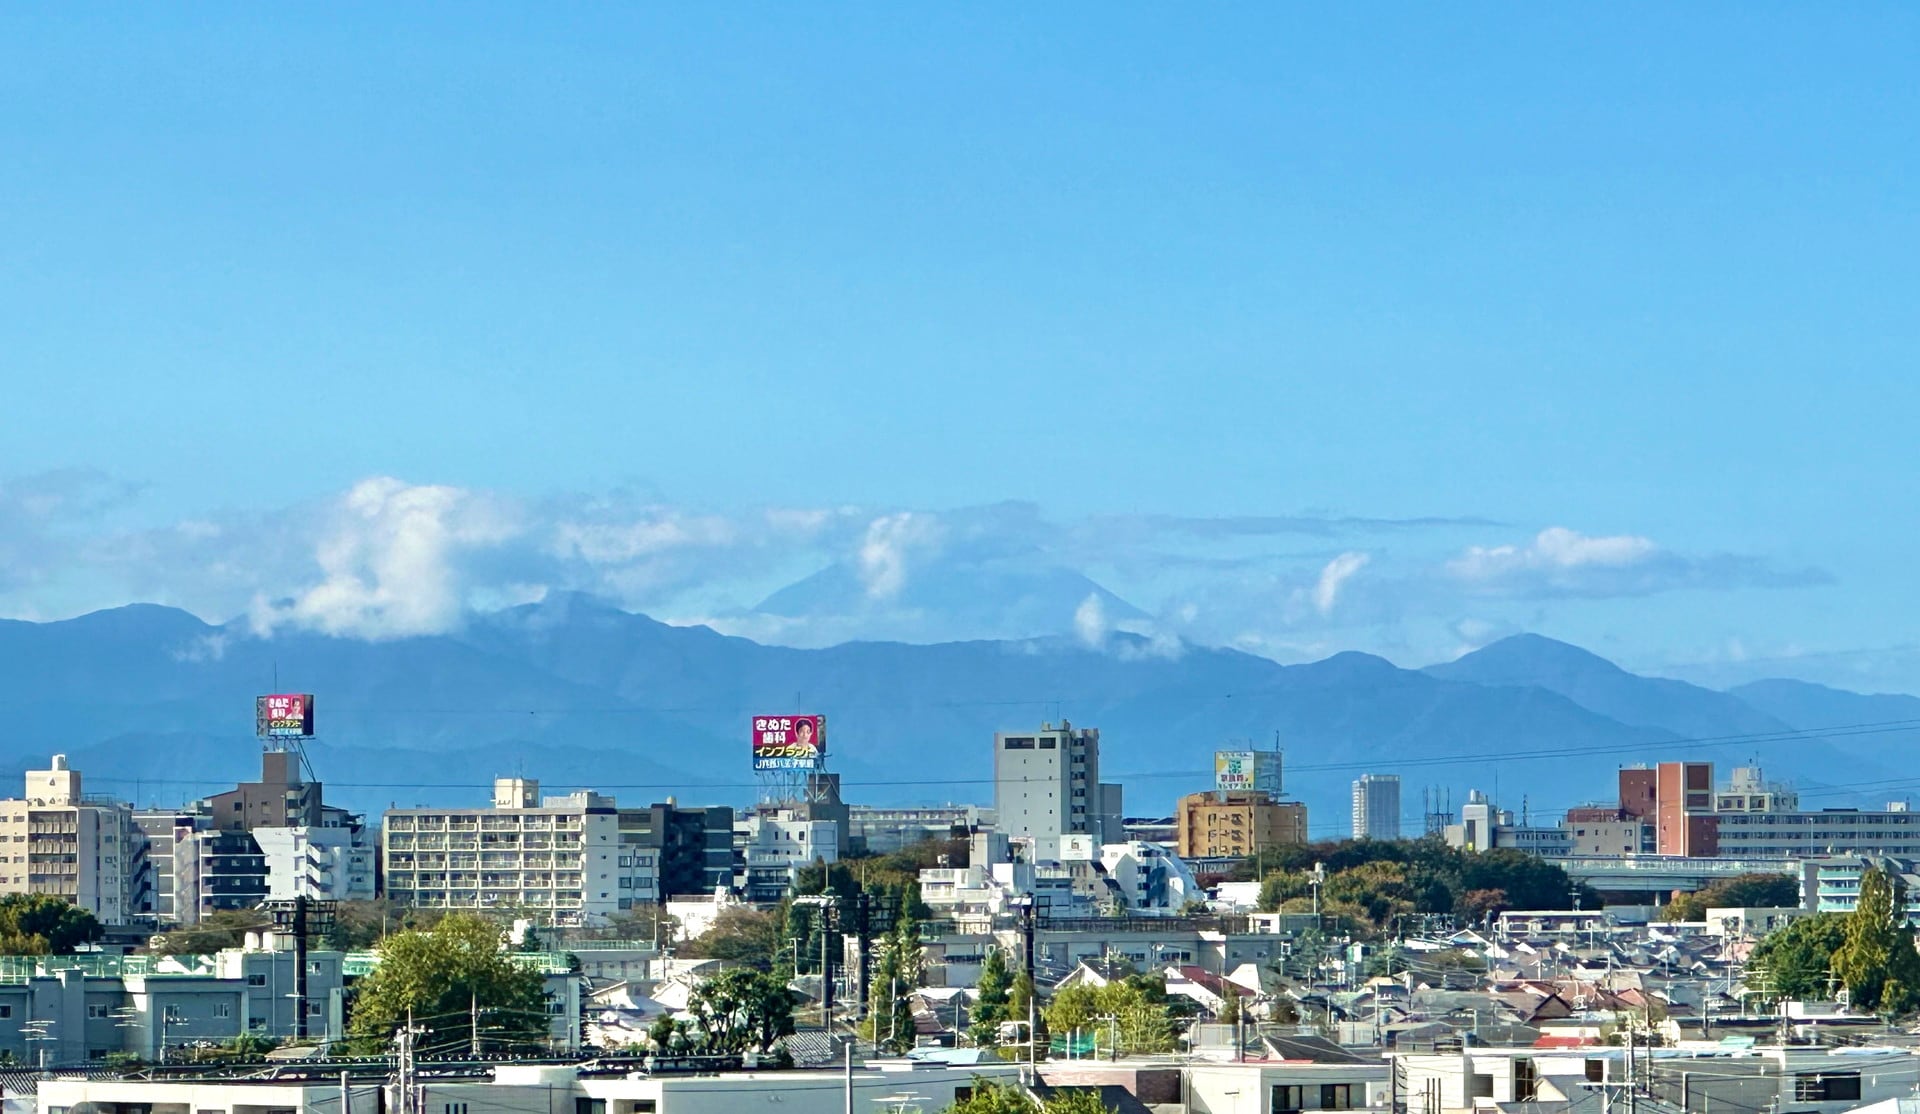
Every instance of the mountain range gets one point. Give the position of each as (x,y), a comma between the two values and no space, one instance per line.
(153,704)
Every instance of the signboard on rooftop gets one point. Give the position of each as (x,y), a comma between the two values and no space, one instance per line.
(789,742)
(284,715)
(1247,769)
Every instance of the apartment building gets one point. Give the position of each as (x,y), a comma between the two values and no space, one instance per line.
(282,798)
(1893,831)
(1225,823)
(1046,783)
(330,862)
(773,843)
(274,838)
(557,860)
(215,872)
(1608,831)
(164,830)
(693,847)
(1832,884)
(572,860)
(55,840)
(881,830)
(1376,806)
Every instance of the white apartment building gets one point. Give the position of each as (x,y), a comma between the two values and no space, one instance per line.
(54,840)
(1149,878)
(558,860)
(330,863)
(774,843)
(1831,831)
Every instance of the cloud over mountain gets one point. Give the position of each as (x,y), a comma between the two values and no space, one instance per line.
(388,558)
(1562,562)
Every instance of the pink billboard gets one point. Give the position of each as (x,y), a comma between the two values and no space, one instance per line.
(789,742)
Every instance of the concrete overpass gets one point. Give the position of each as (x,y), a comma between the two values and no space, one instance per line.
(1637,876)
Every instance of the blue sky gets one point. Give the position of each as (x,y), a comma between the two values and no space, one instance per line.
(1644,275)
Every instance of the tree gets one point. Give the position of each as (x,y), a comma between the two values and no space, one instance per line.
(1076,1100)
(1131,1011)
(361,925)
(41,924)
(660,1033)
(1748,891)
(1278,888)
(741,934)
(1794,961)
(1877,961)
(990,998)
(890,1014)
(741,1010)
(442,975)
(989,1097)
(1475,906)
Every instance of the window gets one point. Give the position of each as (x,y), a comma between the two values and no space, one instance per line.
(1286,1098)
(6,1011)
(1019,744)
(589,1106)
(453,1108)
(223,1009)
(1339,1096)
(256,980)
(96,1012)
(1526,1084)
(1827,1087)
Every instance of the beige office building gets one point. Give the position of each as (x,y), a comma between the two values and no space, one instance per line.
(1236,822)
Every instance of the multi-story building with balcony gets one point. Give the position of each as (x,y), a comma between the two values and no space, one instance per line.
(54,840)
(558,860)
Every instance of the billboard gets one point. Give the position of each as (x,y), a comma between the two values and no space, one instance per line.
(284,715)
(1247,769)
(789,742)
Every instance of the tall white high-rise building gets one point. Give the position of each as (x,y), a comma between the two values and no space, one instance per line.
(1376,806)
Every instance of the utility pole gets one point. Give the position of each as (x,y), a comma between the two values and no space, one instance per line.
(404,1067)
(474,1023)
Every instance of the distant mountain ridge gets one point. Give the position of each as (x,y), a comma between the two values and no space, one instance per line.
(151,701)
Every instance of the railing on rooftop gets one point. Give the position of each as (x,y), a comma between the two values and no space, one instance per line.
(18,969)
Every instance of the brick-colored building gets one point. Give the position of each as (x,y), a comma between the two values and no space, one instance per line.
(1234,822)
(1677,799)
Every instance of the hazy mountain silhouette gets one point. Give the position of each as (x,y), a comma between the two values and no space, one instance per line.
(153,702)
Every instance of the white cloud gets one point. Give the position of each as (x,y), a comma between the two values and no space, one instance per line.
(1090,621)
(891,543)
(392,561)
(1554,548)
(1326,591)
(1562,562)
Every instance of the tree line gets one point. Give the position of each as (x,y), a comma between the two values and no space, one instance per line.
(1369,883)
